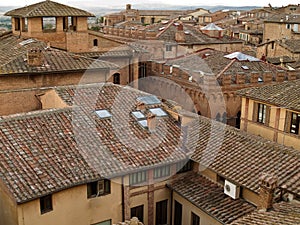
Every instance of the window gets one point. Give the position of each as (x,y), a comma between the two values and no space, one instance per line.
(106,222)
(98,188)
(137,178)
(162,171)
(195,220)
(138,212)
(116,78)
(46,204)
(152,20)
(288,26)
(262,111)
(49,23)
(178,214)
(295,120)
(17,24)
(24,24)
(95,42)
(142,20)
(161,212)
(184,166)
(168,48)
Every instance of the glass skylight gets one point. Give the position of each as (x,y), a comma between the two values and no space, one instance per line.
(103,113)
(149,100)
(138,115)
(158,112)
(143,123)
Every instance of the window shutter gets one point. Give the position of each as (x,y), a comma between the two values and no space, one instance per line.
(287,124)
(255,112)
(268,111)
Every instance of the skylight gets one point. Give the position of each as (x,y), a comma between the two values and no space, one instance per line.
(241,57)
(143,123)
(138,115)
(103,114)
(26,42)
(245,67)
(158,112)
(149,100)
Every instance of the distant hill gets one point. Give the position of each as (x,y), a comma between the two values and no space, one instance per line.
(102,10)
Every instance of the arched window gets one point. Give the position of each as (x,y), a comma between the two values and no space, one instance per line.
(95,42)
(116,78)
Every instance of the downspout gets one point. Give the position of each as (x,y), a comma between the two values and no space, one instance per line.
(123,199)
(171,206)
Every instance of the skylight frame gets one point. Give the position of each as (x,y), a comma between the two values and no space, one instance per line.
(103,114)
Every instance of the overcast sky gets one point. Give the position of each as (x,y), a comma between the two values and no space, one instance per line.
(172,2)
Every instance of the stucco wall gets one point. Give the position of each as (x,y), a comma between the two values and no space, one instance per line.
(72,207)
(8,207)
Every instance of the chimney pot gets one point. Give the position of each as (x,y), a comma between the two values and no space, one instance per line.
(34,57)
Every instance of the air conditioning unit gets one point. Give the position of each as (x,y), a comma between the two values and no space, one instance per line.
(231,189)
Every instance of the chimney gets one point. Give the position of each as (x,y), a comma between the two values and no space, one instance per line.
(151,122)
(180,35)
(35,57)
(128,6)
(140,106)
(268,184)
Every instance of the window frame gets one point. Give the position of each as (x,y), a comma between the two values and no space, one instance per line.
(138,178)
(294,122)
(134,211)
(261,113)
(195,219)
(169,48)
(46,204)
(45,23)
(94,191)
(161,172)
(161,212)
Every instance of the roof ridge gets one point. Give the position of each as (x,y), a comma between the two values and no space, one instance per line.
(18,116)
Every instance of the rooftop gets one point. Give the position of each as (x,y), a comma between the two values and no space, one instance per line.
(282,213)
(47,8)
(209,197)
(215,62)
(285,95)
(46,151)
(13,58)
(284,18)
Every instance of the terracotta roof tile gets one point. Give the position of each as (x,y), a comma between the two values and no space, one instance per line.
(284,95)
(46,151)
(242,158)
(13,58)
(48,8)
(282,213)
(209,197)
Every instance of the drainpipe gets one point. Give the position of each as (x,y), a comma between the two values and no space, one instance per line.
(171,206)
(123,200)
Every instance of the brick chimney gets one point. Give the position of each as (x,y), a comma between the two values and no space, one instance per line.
(140,106)
(151,122)
(35,57)
(128,6)
(268,184)
(180,35)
